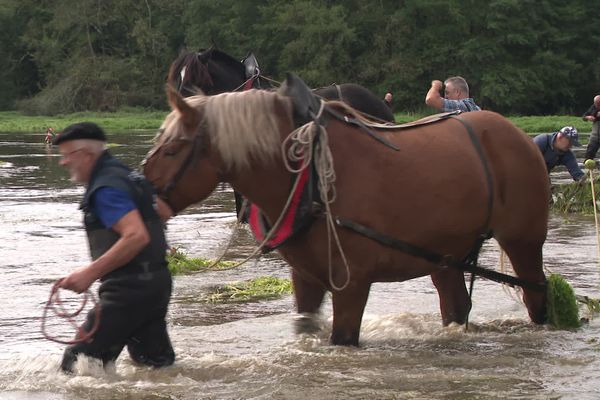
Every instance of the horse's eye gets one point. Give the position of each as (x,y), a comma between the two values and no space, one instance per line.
(170,152)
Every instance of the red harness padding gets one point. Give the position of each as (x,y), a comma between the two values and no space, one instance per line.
(249,83)
(298,215)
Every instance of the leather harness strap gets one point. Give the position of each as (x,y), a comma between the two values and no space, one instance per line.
(486,169)
(436,258)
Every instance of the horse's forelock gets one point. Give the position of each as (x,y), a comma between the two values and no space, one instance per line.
(241,125)
(197,73)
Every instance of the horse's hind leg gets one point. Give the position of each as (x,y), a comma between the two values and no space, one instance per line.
(526,259)
(455,303)
(309,296)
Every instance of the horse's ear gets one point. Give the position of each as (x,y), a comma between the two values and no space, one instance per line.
(189,116)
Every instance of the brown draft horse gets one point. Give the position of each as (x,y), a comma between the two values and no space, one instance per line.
(432,193)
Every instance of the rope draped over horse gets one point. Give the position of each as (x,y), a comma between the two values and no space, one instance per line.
(390,192)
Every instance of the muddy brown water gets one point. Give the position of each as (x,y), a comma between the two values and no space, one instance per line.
(250,351)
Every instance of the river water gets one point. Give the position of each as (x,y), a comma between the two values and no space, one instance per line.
(250,351)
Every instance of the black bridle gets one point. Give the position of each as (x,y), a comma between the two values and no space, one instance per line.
(191,157)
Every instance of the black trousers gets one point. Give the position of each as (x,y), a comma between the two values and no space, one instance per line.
(132,314)
(594,143)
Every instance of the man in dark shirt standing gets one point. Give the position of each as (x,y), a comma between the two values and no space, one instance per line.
(593,115)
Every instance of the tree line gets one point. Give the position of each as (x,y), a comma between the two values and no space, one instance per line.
(519,56)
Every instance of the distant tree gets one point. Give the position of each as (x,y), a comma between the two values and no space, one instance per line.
(519,56)
(19,75)
(101,55)
(314,40)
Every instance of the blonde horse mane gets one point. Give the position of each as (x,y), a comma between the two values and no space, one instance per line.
(241,125)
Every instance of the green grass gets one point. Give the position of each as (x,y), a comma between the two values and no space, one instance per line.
(140,119)
(551,123)
(532,125)
(562,312)
(261,288)
(127,120)
(180,264)
(576,197)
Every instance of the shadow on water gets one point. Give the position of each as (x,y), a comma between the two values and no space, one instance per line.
(250,350)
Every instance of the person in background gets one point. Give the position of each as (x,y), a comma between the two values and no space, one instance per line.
(556,150)
(593,115)
(127,245)
(49,136)
(387,99)
(456,96)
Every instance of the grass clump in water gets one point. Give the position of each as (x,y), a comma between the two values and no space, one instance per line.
(261,288)
(180,264)
(574,197)
(562,309)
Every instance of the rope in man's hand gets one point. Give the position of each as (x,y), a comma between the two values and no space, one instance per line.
(55,304)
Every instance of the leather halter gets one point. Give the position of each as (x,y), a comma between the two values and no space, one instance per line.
(194,152)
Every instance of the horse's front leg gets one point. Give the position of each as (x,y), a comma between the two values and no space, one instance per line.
(309,296)
(348,307)
(455,303)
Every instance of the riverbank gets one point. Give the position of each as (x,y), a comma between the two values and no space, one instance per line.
(127,120)
(136,119)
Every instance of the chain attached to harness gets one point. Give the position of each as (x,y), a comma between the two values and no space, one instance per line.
(55,304)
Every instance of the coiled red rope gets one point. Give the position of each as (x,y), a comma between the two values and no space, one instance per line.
(55,304)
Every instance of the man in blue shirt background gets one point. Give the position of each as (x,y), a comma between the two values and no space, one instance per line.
(556,150)
(456,96)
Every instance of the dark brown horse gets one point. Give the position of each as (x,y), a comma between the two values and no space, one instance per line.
(214,71)
(449,182)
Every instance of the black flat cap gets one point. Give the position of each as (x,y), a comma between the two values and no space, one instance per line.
(81,130)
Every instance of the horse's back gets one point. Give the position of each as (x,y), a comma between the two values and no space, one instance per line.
(437,179)
(519,172)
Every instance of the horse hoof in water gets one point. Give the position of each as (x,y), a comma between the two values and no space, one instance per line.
(306,323)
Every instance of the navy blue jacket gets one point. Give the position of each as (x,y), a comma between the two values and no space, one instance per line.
(554,157)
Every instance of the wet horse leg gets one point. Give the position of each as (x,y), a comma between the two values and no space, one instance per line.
(309,296)
(348,307)
(455,303)
(526,259)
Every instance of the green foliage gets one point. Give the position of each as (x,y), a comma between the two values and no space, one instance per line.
(562,309)
(575,197)
(180,264)
(519,57)
(261,288)
(93,83)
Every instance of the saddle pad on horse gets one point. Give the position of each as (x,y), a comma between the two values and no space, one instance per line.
(298,216)
(306,104)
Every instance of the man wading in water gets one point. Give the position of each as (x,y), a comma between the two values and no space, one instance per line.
(127,245)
